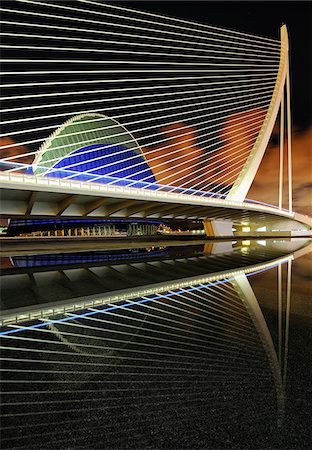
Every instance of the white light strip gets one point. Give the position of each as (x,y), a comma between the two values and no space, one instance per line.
(126,51)
(240,153)
(102,189)
(214,183)
(98,177)
(213,327)
(192,342)
(204,312)
(261,67)
(153,151)
(178,157)
(159,187)
(268,81)
(161,180)
(210,164)
(73,174)
(225,177)
(125,142)
(164,178)
(148,120)
(153,143)
(135,304)
(174,19)
(128,35)
(145,345)
(172,392)
(94,355)
(25,166)
(136,292)
(87,72)
(153,118)
(221,94)
(272,45)
(169,188)
(150,136)
(109,81)
(173,299)
(141,80)
(71,113)
(107,165)
(224,299)
(137,44)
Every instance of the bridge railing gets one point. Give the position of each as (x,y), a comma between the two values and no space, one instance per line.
(68,186)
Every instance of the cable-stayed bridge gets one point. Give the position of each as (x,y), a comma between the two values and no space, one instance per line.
(111,112)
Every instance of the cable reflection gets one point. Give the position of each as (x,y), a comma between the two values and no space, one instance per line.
(145,367)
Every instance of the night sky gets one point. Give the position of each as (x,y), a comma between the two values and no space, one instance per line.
(263,18)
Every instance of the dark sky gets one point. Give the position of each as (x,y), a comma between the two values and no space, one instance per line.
(258,17)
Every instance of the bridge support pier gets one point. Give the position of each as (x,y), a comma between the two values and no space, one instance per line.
(218,228)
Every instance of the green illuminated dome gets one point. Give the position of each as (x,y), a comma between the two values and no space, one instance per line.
(93,147)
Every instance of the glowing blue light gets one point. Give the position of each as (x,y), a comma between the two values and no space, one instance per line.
(103,160)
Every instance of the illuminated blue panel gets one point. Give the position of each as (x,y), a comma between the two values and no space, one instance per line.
(79,258)
(23,222)
(98,155)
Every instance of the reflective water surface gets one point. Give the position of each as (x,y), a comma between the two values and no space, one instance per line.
(193,346)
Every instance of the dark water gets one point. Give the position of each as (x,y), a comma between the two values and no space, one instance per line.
(203,346)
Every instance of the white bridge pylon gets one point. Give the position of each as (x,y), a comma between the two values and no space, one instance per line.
(244,180)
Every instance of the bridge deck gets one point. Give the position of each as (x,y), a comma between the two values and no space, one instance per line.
(28,195)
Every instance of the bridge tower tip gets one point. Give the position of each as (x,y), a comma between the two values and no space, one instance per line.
(284,35)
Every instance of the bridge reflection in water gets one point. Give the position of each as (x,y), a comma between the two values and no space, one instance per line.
(191,365)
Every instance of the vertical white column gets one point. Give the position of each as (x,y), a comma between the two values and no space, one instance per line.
(289,138)
(281,155)
(280,311)
(288,297)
